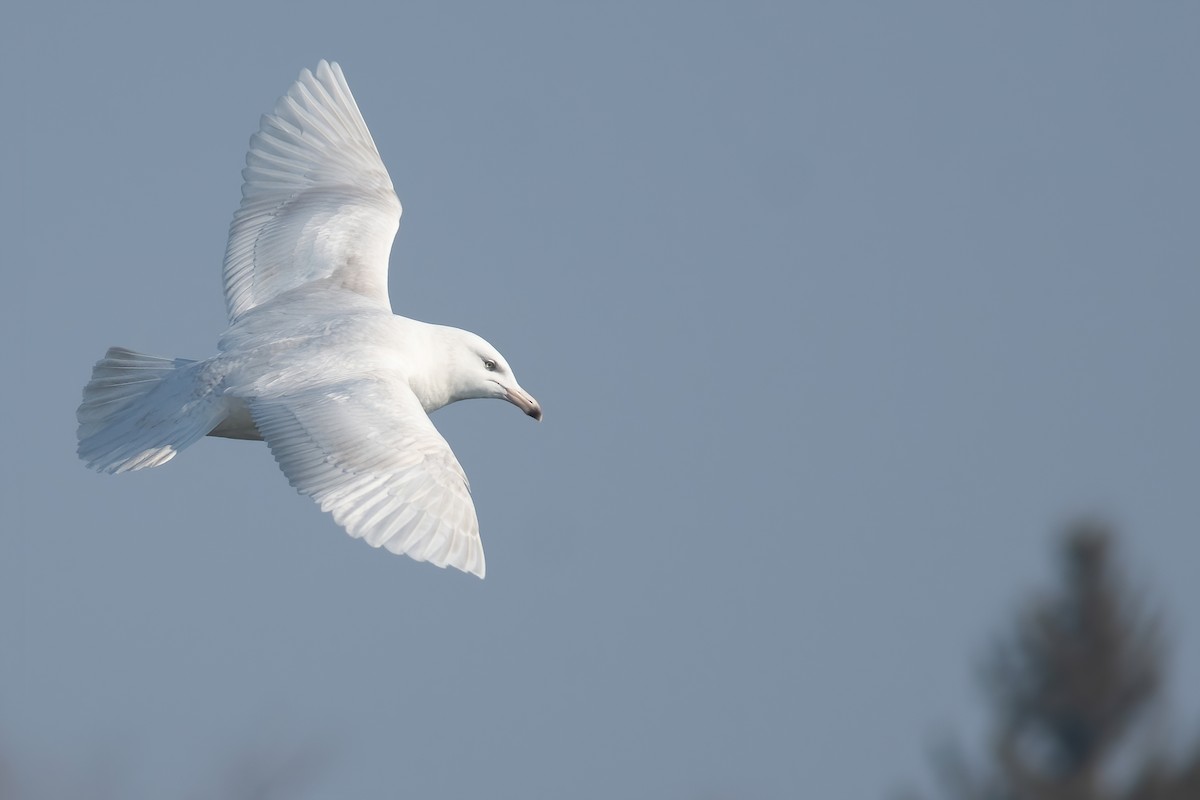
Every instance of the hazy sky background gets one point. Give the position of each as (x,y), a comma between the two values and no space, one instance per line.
(837,312)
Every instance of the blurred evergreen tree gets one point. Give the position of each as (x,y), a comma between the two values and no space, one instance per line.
(1071,689)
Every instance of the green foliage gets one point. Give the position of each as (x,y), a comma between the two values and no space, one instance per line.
(1070,687)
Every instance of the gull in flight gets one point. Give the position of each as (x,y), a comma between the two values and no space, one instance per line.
(314,362)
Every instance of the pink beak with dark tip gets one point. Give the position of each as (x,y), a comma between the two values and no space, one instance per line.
(524,401)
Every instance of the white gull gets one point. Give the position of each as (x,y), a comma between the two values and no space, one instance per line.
(314,362)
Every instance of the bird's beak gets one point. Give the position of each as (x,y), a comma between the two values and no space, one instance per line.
(524,401)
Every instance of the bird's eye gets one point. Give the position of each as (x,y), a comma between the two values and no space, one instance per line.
(489,365)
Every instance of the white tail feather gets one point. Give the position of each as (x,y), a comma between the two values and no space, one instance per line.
(139,411)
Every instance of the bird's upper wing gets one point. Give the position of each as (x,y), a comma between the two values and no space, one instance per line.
(317,202)
(366,451)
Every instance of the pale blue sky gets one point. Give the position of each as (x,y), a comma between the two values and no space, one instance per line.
(837,312)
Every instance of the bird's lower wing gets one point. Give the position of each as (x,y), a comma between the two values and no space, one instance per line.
(367,452)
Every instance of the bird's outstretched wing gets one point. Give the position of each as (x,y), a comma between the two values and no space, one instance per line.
(365,450)
(317,202)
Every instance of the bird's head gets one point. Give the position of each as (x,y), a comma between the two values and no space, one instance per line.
(479,370)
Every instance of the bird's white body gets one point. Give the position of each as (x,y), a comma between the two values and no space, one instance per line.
(314,361)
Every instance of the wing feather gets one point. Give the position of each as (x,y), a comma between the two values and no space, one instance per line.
(317,202)
(366,452)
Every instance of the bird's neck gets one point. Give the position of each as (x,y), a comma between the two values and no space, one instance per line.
(429,362)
